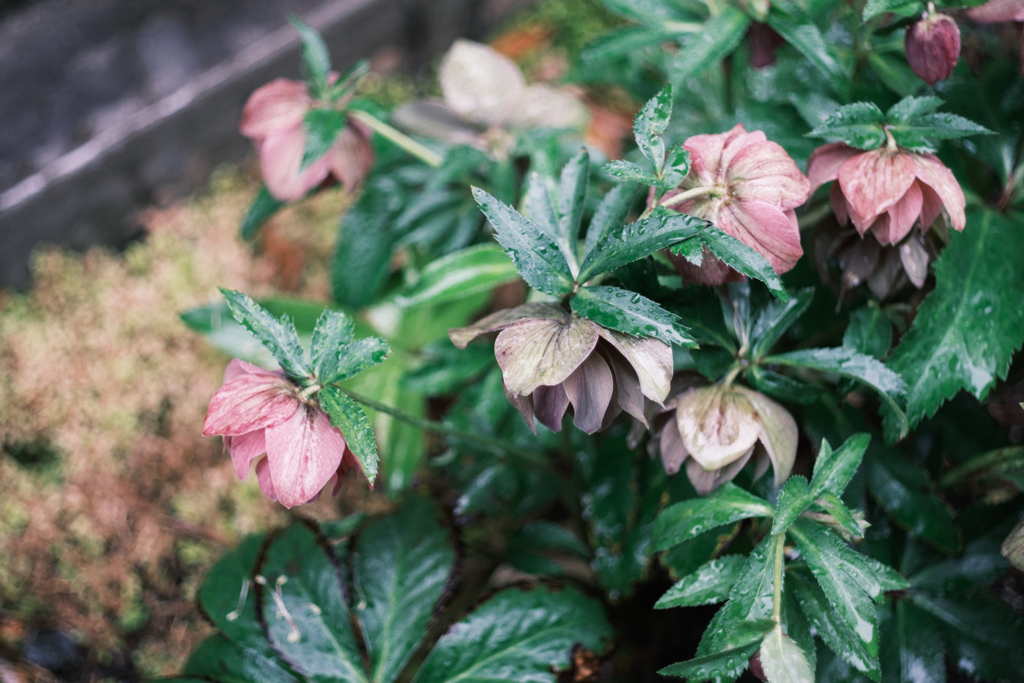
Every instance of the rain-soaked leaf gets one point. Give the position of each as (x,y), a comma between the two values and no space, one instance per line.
(278,336)
(716,40)
(632,242)
(625,311)
(741,642)
(711,583)
(346,415)
(833,470)
(782,659)
(689,518)
(650,123)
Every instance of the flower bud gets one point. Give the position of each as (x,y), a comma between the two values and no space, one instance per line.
(933,47)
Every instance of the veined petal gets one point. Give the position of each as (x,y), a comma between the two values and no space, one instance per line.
(824,162)
(535,352)
(277,106)
(765,228)
(874,181)
(779,434)
(673,452)
(933,173)
(237,367)
(461,336)
(248,403)
(524,404)
(705,481)
(479,83)
(904,213)
(266,482)
(589,389)
(245,448)
(706,157)
(931,206)
(280,159)
(549,405)
(649,357)
(627,387)
(351,155)
(763,172)
(737,141)
(717,425)
(304,453)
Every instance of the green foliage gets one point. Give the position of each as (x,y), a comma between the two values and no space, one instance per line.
(277,335)
(322,128)
(718,37)
(625,311)
(316,61)
(346,415)
(729,503)
(263,206)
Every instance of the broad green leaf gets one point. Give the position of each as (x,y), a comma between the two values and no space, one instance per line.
(225,661)
(906,493)
(610,215)
(809,42)
(869,332)
(782,387)
(263,206)
(346,415)
(782,659)
(362,254)
(833,470)
(921,130)
(794,498)
(849,363)
(719,37)
(304,610)
(630,172)
(279,336)
(910,108)
(315,58)
(649,125)
(332,334)
(518,635)
(228,598)
(322,128)
(894,72)
(741,642)
(463,273)
(634,241)
(968,328)
(743,259)
(921,651)
(625,311)
(832,505)
(689,518)
(858,125)
(705,322)
(572,191)
(402,564)
(536,256)
(774,319)
(354,358)
(710,584)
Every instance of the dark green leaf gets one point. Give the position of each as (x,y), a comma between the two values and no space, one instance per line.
(636,240)
(572,191)
(228,599)
(332,335)
(874,8)
(710,584)
(447,369)
(858,125)
(625,311)
(833,470)
(782,387)
(980,564)
(259,212)
(832,505)
(225,661)
(315,58)
(719,37)
(322,128)
(542,534)
(279,336)
(649,125)
(910,108)
(610,214)
(741,642)
(401,568)
(683,521)
(794,498)
(921,651)
(537,257)
(518,635)
(970,325)
(743,259)
(809,42)
(869,332)
(920,131)
(774,319)
(894,72)
(630,172)
(692,250)
(356,357)
(347,82)
(346,415)
(362,254)
(463,273)
(677,166)
(799,629)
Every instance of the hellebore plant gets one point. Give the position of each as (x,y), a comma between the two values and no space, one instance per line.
(933,46)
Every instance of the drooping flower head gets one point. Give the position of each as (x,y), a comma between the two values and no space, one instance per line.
(550,359)
(751,188)
(715,430)
(932,46)
(273,119)
(259,413)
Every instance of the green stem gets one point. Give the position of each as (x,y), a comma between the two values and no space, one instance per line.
(442,428)
(688,195)
(780,542)
(428,156)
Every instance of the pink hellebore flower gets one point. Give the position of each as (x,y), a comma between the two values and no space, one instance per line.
(261,412)
(887,190)
(273,120)
(747,187)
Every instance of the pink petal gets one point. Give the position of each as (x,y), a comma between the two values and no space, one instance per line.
(673,452)
(245,448)
(650,358)
(875,180)
(705,481)
(248,403)
(549,404)
(904,213)
(523,403)
(933,173)
(706,155)
(351,156)
(627,387)
(839,205)
(266,482)
(995,11)
(589,389)
(739,140)
(461,336)
(880,229)
(275,107)
(236,368)
(931,206)
(280,158)
(824,162)
(304,454)
(762,171)
(765,228)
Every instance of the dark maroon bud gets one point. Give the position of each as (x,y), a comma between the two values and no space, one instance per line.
(763,43)
(755,666)
(933,47)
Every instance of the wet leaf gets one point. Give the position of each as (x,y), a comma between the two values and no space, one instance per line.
(717,39)
(794,498)
(628,312)
(634,241)
(710,584)
(782,659)
(649,125)
(689,518)
(869,332)
(346,415)
(774,319)
(611,214)
(741,642)
(833,470)
(858,125)
(278,336)
(458,275)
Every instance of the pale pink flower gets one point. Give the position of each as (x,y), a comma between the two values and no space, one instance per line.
(273,119)
(887,190)
(932,46)
(258,413)
(748,187)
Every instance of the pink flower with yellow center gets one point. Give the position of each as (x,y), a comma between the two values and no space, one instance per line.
(273,119)
(747,187)
(258,413)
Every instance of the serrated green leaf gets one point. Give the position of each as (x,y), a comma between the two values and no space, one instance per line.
(278,336)
(782,659)
(872,577)
(346,415)
(799,629)
(911,107)
(628,171)
(968,328)
(918,132)
(692,250)
(634,241)
(518,635)
(809,42)
(572,192)
(833,470)
(315,58)
(832,505)
(774,319)
(677,166)
(742,641)
(858,125)
(869,332)
(332,334)
(720,36)
(610,215)
(794,498)
(536,256)
(402,566)
(710,584)
(458,275)
(348,81)
(689,518)
(263,206)
(848,363)
(354,358)
(649,125)
(625,311)
(743,259)
(322,128)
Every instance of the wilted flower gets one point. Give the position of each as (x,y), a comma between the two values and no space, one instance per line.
(550,358)
(485,97)
(887,190)
(273,119)
(716,429)
(747,187)
(261,412)
(997,11)
(933,47)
